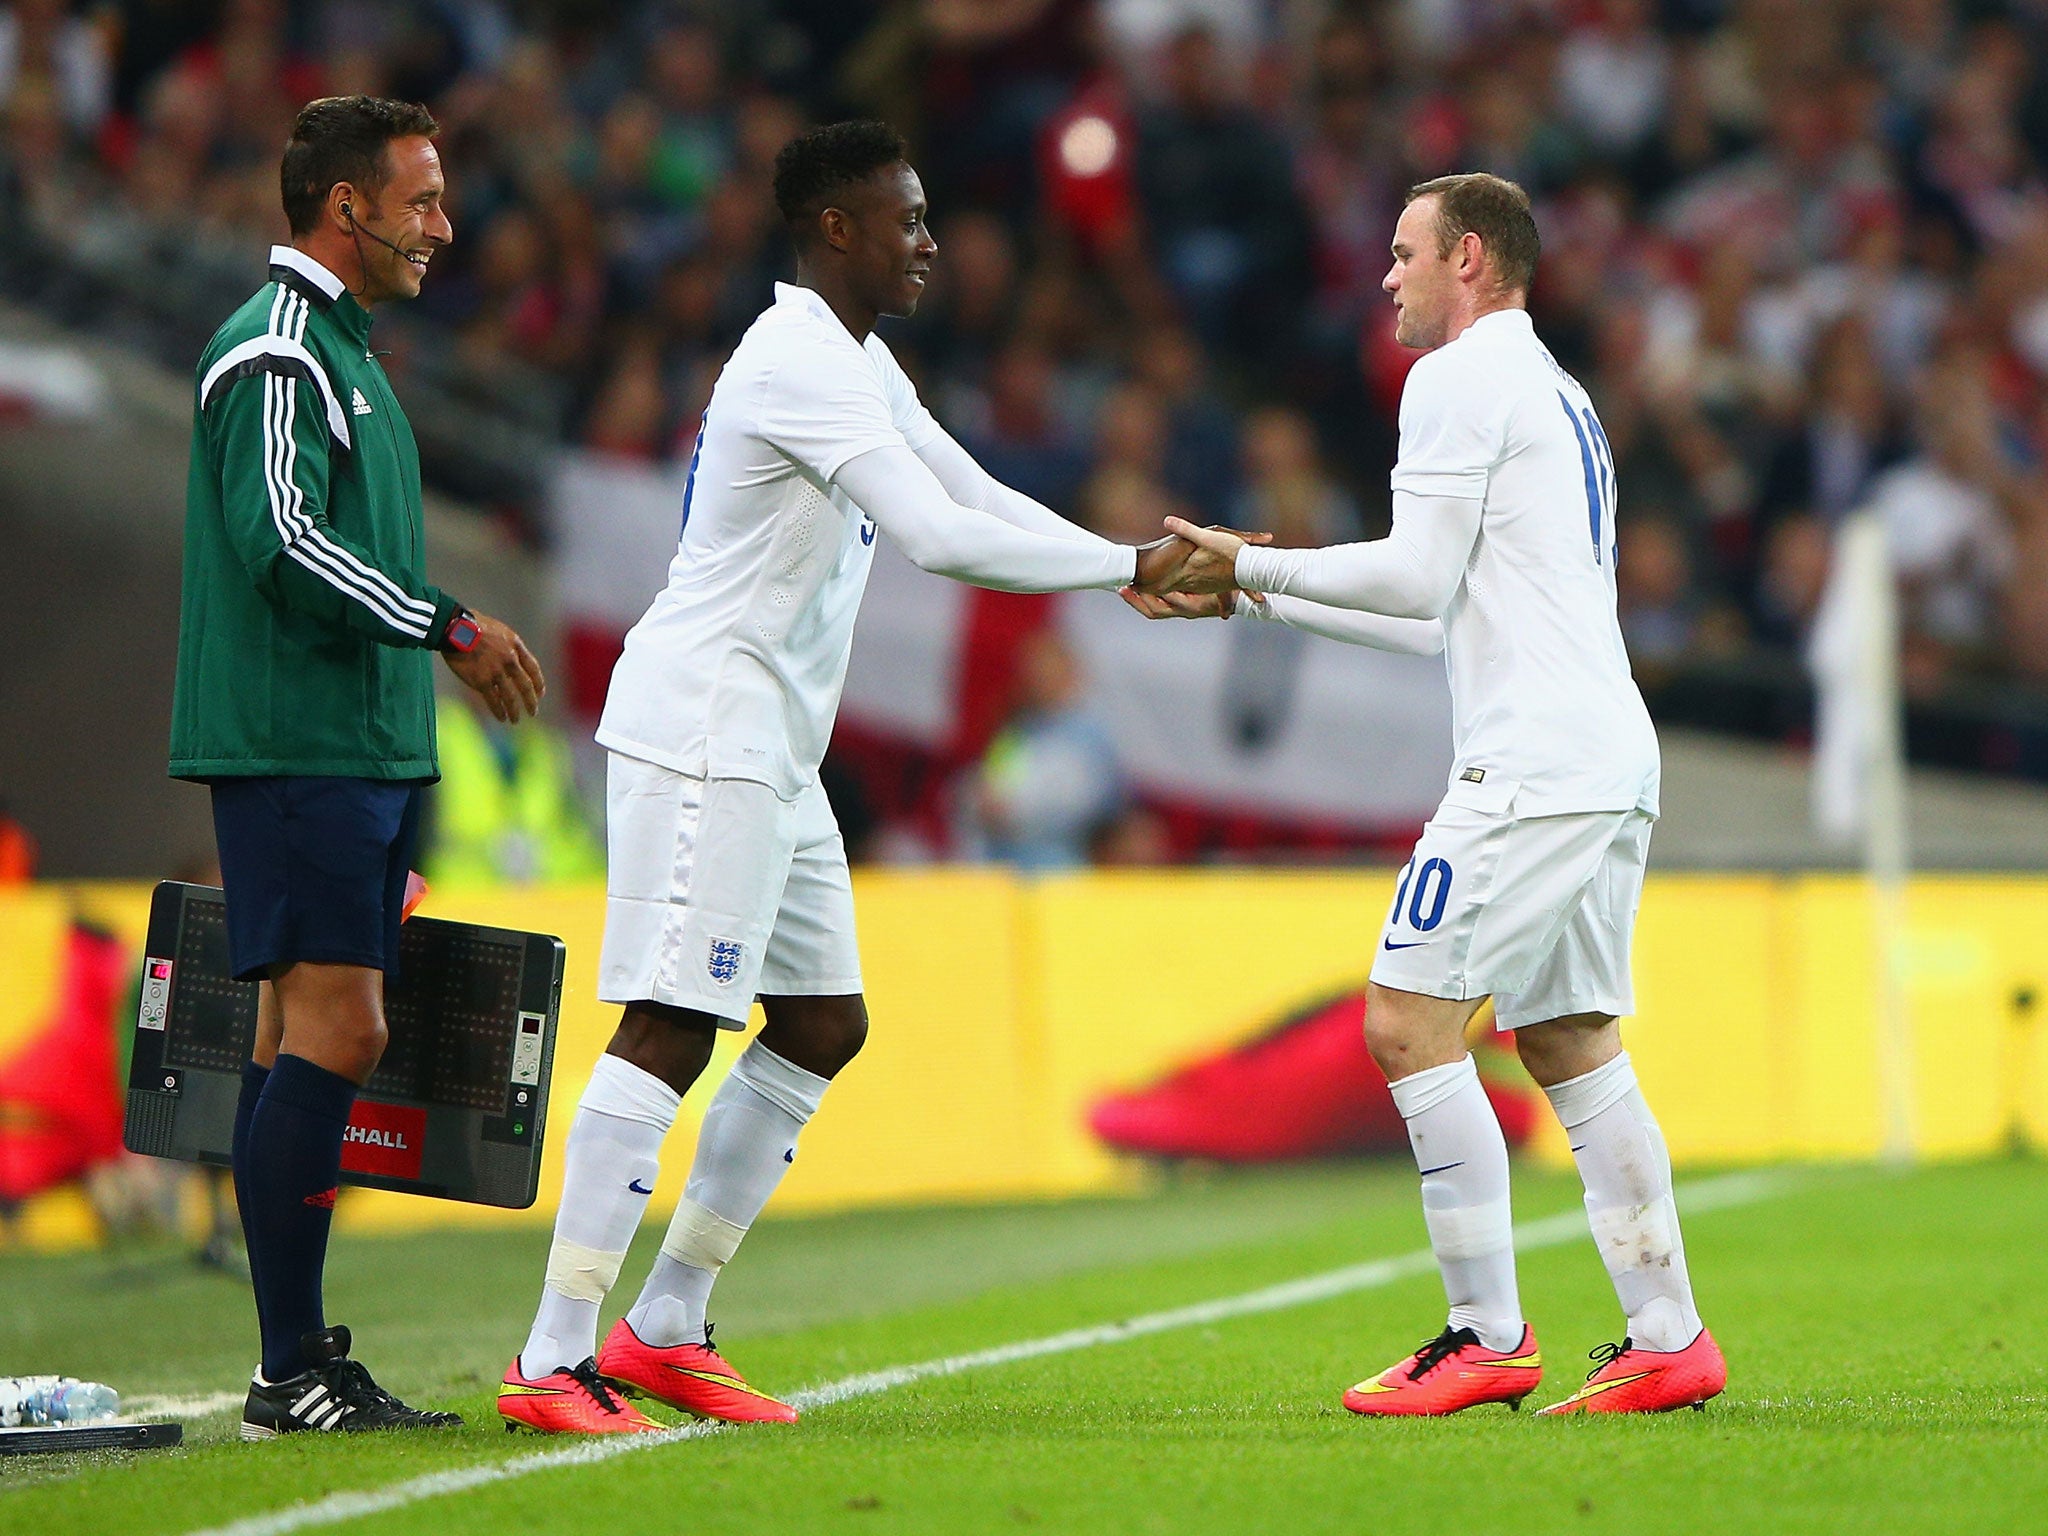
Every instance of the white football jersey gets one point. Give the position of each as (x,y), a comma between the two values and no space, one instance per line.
(736,669)
(1541,693)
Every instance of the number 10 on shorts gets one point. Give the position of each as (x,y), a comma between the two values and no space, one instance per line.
(1423,891)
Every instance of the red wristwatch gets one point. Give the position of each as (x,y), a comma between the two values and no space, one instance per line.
(461,633)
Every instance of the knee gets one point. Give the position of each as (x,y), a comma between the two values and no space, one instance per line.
(854,1035)
(837,1037)
(819,1034)
(332,1016)
(1409,1032)
(1387,1034)
(1562,1049)
(357,1043)
(673,1044)
(1537,1057)
(1383,1038)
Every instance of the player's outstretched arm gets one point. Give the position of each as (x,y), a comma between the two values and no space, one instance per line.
(1410,637)
(1410,574)
(899,491)
(1379,631)
(972,486)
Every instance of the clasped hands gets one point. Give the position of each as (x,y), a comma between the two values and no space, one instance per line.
(1191,573)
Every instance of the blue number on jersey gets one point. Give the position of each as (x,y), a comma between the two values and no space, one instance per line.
(690,480)
(1610,485)
(1596,456)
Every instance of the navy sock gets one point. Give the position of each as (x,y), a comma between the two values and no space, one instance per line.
(294,1161)
(253,1079)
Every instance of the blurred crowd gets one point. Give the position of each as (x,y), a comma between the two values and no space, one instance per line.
(1797,249)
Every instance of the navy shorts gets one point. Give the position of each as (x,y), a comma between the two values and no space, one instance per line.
(314,869)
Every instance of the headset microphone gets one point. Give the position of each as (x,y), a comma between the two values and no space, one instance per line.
(354,228)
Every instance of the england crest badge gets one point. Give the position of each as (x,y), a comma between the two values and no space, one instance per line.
(723,962)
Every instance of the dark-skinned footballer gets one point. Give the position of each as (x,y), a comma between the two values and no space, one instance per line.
(727,877)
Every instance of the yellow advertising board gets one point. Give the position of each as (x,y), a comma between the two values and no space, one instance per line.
(1004,1006)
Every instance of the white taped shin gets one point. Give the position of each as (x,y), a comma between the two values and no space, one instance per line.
(580,1273)
(1627,1173)
(700,1237)
(608,1171)
(748,1140)
(1463,1159)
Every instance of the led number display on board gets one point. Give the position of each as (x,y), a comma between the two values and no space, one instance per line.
(458,1102)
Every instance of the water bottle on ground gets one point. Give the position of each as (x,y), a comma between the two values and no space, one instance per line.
(29,1400)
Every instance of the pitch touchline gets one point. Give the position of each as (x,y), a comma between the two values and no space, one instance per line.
(197,1406)
(1547,1232)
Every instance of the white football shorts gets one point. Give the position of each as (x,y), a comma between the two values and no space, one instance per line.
(1536,912)
(718,890)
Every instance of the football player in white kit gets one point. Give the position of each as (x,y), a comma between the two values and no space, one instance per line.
(727,878)
(1525,883)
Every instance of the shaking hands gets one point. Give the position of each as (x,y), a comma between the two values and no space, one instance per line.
(1191,574)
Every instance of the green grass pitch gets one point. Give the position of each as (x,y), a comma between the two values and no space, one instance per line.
(1888,1336)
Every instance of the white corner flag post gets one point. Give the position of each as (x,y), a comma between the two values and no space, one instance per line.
(1872,599)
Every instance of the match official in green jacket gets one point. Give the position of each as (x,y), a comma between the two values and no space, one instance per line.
(305,700)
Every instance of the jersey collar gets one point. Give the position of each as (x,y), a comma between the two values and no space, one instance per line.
(312,281)
(1504,319)
(301,273)
(812,302)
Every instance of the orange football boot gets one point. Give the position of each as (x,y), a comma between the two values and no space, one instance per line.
(1449,1374)
(691,1377)
(1625,1379)
(571,1402)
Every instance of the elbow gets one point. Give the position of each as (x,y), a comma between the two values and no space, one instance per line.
(1424,604)
(979,493)
(1432,595)
(927,555)
(938,556)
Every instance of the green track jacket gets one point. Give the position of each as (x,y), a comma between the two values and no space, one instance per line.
(307,626)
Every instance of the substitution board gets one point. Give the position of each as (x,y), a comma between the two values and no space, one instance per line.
(458,1104)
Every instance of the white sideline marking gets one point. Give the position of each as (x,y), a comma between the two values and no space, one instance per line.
(197,1407)
(1547,1232)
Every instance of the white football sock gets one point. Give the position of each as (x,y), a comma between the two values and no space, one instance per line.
(1463,1158)
(608,1171)
(749,1138)
(1627,1173)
